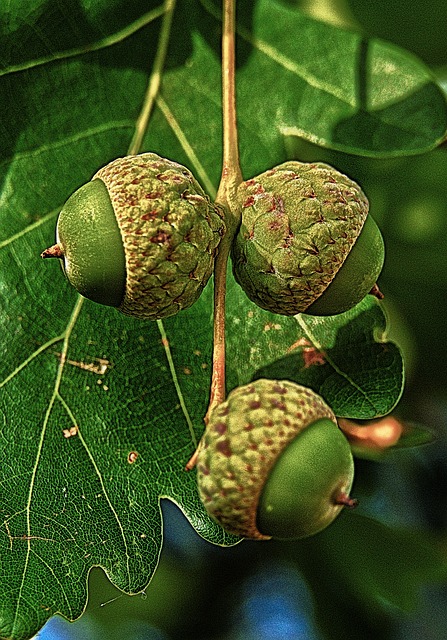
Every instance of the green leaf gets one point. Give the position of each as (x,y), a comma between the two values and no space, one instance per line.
(75,499)
(361,567)
(346,359)
(98,412)
(332,87)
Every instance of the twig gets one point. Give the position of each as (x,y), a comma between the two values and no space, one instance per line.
(226,198)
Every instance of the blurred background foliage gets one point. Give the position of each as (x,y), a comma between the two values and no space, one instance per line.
(263,591)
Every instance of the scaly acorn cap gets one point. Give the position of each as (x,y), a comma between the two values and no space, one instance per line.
(170,231)
(299,223)
(142,236)
(246,443)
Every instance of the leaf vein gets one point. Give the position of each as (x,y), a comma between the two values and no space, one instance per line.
(108,41)
(30,227)
(101,481)
(199,169)
(61,587)
(30,358)
(109,502)
(331,362)
(68,141)
(175,380)
(67,335)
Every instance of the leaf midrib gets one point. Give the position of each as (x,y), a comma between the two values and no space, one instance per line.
(54,397)
(108,41)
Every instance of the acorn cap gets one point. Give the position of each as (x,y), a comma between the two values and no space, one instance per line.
(142,236)
(299,223)
(245,438)
(170,232)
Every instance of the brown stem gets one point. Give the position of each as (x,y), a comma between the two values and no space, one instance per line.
(346,501)
(226,197)
(231,172)
(55,251)
(375,291)
(218,387)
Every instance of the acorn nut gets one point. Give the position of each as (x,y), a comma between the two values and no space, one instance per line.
(306,242)
(141,236)
(273,462)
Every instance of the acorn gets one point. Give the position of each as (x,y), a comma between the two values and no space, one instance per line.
(273,462)
(141,236)
(306,243)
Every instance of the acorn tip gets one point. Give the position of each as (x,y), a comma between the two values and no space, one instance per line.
(345,500)
(375,291)
(53,252)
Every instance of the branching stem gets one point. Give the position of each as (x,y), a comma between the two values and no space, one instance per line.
(226,198)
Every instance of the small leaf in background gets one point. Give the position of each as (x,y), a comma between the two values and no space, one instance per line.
(358,373)
(378,439)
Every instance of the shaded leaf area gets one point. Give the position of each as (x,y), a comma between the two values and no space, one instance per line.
(332,87)
(297,76)
(361,571)
(49,28)
(422,29)
(346,360)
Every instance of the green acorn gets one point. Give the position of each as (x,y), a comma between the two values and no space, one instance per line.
(141,236)
(273,462)
(306,242)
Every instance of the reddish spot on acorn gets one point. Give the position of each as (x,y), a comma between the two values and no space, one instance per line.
(223,447)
